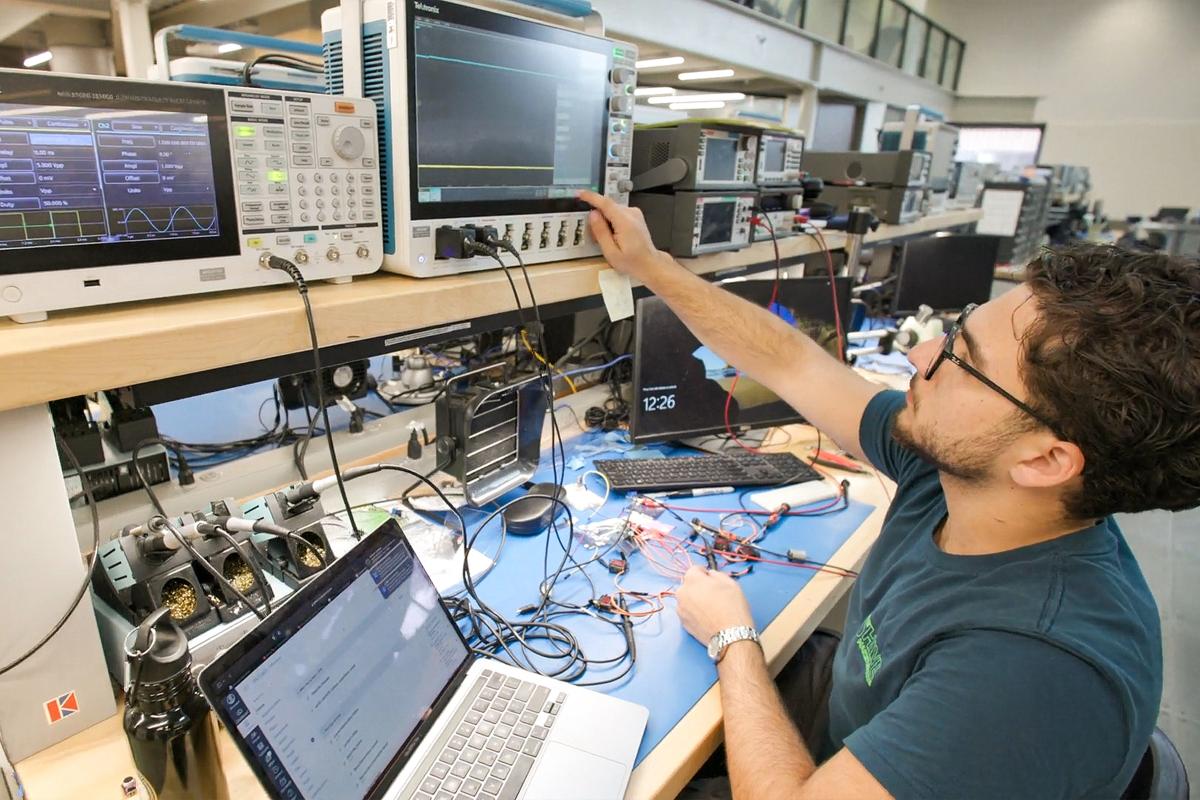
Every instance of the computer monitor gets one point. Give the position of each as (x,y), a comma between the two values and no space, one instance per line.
(680,386)
(1010,147)
(945,272)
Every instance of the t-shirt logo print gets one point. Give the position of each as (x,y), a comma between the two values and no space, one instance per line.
(868,645)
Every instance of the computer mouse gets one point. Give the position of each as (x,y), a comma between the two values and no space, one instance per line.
(533,514)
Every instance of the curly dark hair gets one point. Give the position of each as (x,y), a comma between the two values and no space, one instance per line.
(1114,359)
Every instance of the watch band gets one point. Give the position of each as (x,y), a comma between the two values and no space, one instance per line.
(721,641)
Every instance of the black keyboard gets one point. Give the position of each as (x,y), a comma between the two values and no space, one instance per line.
(698,472)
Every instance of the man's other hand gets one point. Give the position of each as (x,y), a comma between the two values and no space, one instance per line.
(710,602)
(623,236)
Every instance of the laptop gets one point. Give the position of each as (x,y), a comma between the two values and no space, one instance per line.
(361,687)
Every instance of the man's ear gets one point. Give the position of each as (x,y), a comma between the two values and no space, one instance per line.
(1047,463)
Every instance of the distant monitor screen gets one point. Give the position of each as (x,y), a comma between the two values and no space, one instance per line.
(946,273)
(101,172)
(503,110)
(716,222)
(680,386)
(720,159)
(71,176)
(774,152)
(1010,148)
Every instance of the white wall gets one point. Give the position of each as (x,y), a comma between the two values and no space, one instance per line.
(1117,82)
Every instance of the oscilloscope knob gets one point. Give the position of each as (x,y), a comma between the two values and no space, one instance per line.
(621,75)
(349,142)
(621,105)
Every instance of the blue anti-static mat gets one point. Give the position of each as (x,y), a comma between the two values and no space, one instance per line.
(672,670)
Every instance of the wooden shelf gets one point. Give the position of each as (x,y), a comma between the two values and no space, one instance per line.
(82,351)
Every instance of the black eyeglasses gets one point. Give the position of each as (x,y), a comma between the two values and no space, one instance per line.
(947,354)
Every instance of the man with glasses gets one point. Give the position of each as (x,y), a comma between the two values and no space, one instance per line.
(1001,640)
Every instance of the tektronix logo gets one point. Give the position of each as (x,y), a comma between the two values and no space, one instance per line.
(427,9)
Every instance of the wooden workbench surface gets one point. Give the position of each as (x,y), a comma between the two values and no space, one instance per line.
(82,351)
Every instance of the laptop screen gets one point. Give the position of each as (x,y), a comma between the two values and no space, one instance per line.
(336,684)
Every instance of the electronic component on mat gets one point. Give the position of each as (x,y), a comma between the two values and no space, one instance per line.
(687,472)
(486,118)
(897,205)
(695,156)
(114,190)
(779,157)
(896,168)
(489,435)
(532,515)
(694,223)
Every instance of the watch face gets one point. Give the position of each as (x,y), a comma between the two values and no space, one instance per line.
(714,647)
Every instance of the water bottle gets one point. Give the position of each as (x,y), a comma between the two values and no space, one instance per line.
(167,718)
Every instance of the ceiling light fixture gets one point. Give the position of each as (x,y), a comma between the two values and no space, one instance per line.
(39,59)
(698,98)
(705,74)
(668,61)
(647,91)
(228,47)
(694,105)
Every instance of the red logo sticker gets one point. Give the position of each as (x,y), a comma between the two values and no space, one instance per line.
(61,707)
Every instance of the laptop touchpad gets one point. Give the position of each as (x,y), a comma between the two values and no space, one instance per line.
(565,771)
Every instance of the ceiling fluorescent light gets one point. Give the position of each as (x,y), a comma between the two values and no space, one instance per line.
(40,58)
(228,47)
(694,105)
(705,74)
(647,91)
(698,98)
(668,61)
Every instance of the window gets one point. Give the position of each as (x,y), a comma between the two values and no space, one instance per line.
(891,32)
(932,67)
(914,44)
(887,30)
(860,25)
(789,11)
(954,52)
(824,18)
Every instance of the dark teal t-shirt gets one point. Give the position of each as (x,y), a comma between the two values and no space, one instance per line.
(1032,673)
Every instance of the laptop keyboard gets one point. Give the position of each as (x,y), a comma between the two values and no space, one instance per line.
(492,742)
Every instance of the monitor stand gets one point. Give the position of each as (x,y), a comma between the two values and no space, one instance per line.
(718,443)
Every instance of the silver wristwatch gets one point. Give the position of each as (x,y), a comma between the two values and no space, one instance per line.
(722,640)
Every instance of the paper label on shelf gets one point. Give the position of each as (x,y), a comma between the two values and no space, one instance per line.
(618,294)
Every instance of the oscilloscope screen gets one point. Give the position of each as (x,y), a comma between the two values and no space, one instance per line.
(501,117)
(74,175)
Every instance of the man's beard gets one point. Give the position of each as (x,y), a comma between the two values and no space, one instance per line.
(969,460)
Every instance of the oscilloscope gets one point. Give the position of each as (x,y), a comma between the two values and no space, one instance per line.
(486,118)
(114,190)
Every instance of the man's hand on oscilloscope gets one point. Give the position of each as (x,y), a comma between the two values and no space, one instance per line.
(623,237)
